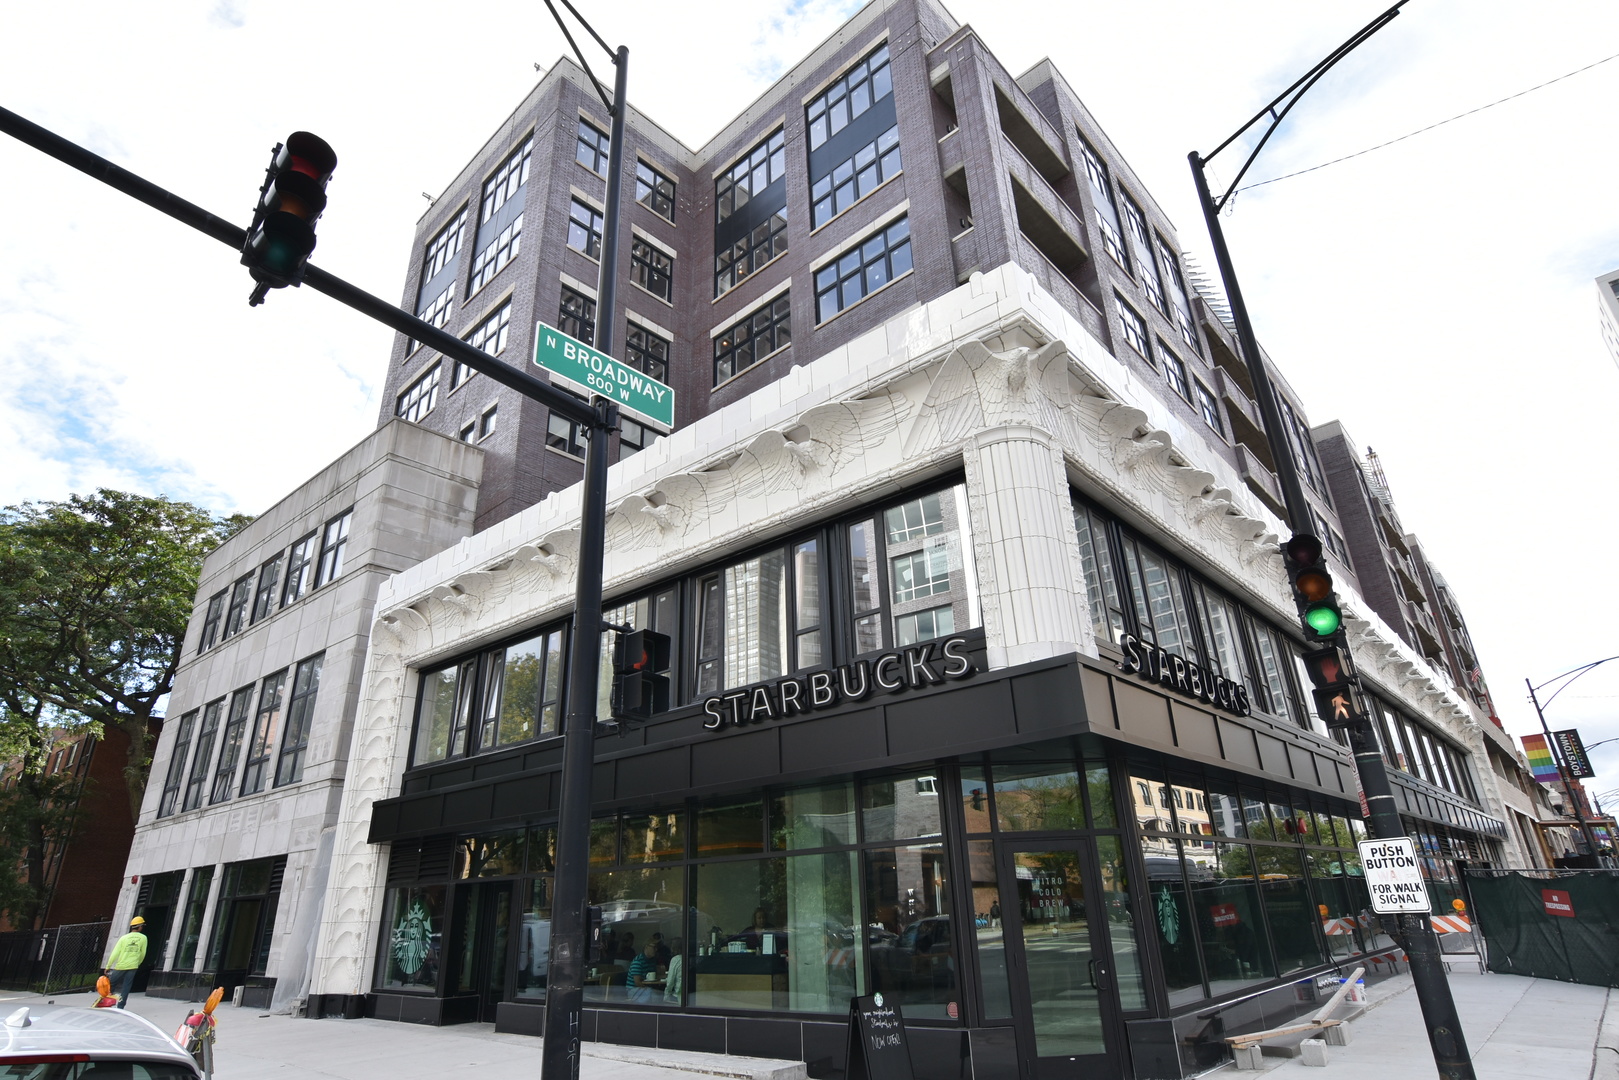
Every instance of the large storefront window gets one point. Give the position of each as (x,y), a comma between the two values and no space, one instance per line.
(414,942)
(1135,589)
(499,697)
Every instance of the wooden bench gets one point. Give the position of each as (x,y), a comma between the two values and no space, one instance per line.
(1247,1048)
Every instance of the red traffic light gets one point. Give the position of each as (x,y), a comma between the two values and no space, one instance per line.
(291,200)
(1302,549)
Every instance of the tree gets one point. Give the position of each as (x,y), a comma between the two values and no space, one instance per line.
(95,594)
(37,807)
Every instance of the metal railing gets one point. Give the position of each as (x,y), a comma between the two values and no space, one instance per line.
(53,961)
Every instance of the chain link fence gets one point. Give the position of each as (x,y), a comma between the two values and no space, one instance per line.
(54,961)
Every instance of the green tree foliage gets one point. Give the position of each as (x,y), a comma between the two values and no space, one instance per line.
(95,594)
(36,806)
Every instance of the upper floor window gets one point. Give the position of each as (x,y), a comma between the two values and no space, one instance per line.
(1107,215)
(500,216)
(577,317)
(495,698)
(211,620)
(847,99)
(490,335)
(444,246)
(300,570)
(420,397)
(203,759)
(633,438)
(1175,371)
(652,268)
(752,338)
(592,149)
(1180,303)
(230,746)
(507,181)
(334,542)
(241,593)
(758,169)
(647,352)
(654,190)
(1302,445)
(1135,227)
(756,247)
(175,778)
(436,294)
(1207,405)
(265,725)
(1133,327)
(300,718)
(269,578)
(848,181)
(585,229)
(863,270)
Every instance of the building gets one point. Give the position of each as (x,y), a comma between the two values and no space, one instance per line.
(985,679)
(228,863)
(1608,311)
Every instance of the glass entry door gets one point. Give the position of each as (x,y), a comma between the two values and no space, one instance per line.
(483,917)
(1063,978)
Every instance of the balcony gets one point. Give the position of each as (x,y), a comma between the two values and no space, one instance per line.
(1247,428)
(1261,481)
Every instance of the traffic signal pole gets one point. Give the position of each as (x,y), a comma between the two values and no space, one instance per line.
(1415,931)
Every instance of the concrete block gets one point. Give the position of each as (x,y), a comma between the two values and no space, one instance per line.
(1339,1035)
(1314,1053)
(1249,1057)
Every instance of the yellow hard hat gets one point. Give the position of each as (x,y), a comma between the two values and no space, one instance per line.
(137,921)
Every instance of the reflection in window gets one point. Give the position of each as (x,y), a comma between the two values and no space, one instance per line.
(643,916)
(742,624)
(1038,797)
(1226,907)
(893,808)
(1171,917)
(909,928)
(812,817)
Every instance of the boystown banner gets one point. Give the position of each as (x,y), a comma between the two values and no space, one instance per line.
(1541,762)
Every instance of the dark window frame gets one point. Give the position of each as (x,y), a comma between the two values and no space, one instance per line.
(268,591)
(652,268)
(591,142)
(300,719)
(334,542)
(299,581)
(213,615)
(654,190)
(266,719)
(230,746)
(878,261)
(202,759)
(418,400)
(174,779)
(739,340)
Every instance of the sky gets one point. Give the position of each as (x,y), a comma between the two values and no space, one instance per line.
(1437,295)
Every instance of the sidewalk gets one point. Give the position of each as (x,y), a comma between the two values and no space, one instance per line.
(1516,1028)
(255,1046)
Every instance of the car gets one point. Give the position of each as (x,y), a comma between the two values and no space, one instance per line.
(63,1042)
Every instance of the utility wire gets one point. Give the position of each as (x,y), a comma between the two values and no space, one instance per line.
(1430,127)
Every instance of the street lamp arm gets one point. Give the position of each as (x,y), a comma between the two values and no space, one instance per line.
(1576,672)
(600,92)
(1292,95)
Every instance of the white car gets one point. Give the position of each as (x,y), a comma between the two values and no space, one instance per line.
(62,1042)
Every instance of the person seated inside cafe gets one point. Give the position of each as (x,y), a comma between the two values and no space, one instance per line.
(643,974)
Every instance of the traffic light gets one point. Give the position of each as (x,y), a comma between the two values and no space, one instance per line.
(641,660)
(290,202)
(1333,678)
(1312,587)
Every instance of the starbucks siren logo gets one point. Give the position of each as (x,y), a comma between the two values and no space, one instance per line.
(1169,917)
(411,938)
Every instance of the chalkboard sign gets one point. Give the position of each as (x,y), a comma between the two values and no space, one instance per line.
(877,1047)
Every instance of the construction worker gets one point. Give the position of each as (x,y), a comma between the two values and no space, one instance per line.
(127,956)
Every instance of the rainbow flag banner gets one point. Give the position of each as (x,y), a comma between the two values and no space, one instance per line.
(1541,762)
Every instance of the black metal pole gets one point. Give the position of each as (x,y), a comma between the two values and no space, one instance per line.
(565,981)
(1563,773)
(1287,472)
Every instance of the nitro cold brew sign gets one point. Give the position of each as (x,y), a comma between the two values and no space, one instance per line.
(1393,875)
(928,664)
(1179,674)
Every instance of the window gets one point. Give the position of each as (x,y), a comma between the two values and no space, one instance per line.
(269,578)
(230,747)
(592,149)
(1329,536)
(863,270)
(1135,227)
(632,438)
(210,622)
(469,431)
(585,229)
(925,546)
(264,733)
(497,698)
(756,247)
(565,435)
(761,167)
(654,190)
(444,246)
(578,316)
(1175,371)
(652,268)
(866,83)
(420,397)
(203,759)
(1302,445)
(177,765)
(241,592)
(1134,589)
(492,258)
(300,570)
(1180,304)
(508,180)
(486,422)
(300,716)
(855,177)
(334,542)
(489,336)
(1107,216)
(1134,328)
(647,352)
(202,880)
(437,290)
(756,336)
(1208,406)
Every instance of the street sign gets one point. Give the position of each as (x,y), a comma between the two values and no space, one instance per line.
(573,361)
(1573,751)
(1393,875)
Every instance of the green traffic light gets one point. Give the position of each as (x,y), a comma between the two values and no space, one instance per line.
(1324,619)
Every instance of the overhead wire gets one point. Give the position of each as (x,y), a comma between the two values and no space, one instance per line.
(1430,127)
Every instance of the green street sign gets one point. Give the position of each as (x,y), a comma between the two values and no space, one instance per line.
(570,359)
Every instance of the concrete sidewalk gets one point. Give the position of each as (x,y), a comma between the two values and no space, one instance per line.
(253,1045)
(1516,1028)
